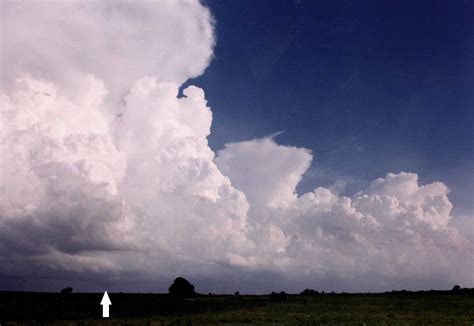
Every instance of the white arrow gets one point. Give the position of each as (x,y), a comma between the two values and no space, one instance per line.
(105,303)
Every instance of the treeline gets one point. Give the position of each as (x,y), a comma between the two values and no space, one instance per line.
(182,288)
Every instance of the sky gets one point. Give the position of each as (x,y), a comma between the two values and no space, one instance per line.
(386,86)
(247,146)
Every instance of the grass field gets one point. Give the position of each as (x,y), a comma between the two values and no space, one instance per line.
(439,308)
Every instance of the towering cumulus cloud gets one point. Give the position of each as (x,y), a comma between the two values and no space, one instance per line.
(106,174)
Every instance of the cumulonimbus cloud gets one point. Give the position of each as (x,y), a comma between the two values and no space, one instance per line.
(106,173)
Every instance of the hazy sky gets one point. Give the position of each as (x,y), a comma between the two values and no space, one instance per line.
(247,146)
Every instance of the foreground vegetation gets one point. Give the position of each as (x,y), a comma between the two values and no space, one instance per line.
(401,308)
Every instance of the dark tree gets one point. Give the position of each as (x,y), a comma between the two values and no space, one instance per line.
(456,288)
(67,290)
(278,296)
(309,292)
(181,288)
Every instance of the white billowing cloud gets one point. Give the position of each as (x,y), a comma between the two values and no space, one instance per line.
(403,193)
(59,170)
(117,41)
(65,153)
(171,176)
(395,229)
(268,173)
(144,182)
(98,189)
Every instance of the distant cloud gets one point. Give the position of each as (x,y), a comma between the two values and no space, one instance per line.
(395,229)
(266,172)
(106,174)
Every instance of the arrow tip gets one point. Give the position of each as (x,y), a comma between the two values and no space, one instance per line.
(105,299)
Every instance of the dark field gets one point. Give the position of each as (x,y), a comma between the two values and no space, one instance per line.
(426,308)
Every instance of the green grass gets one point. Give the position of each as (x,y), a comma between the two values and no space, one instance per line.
(339,309)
